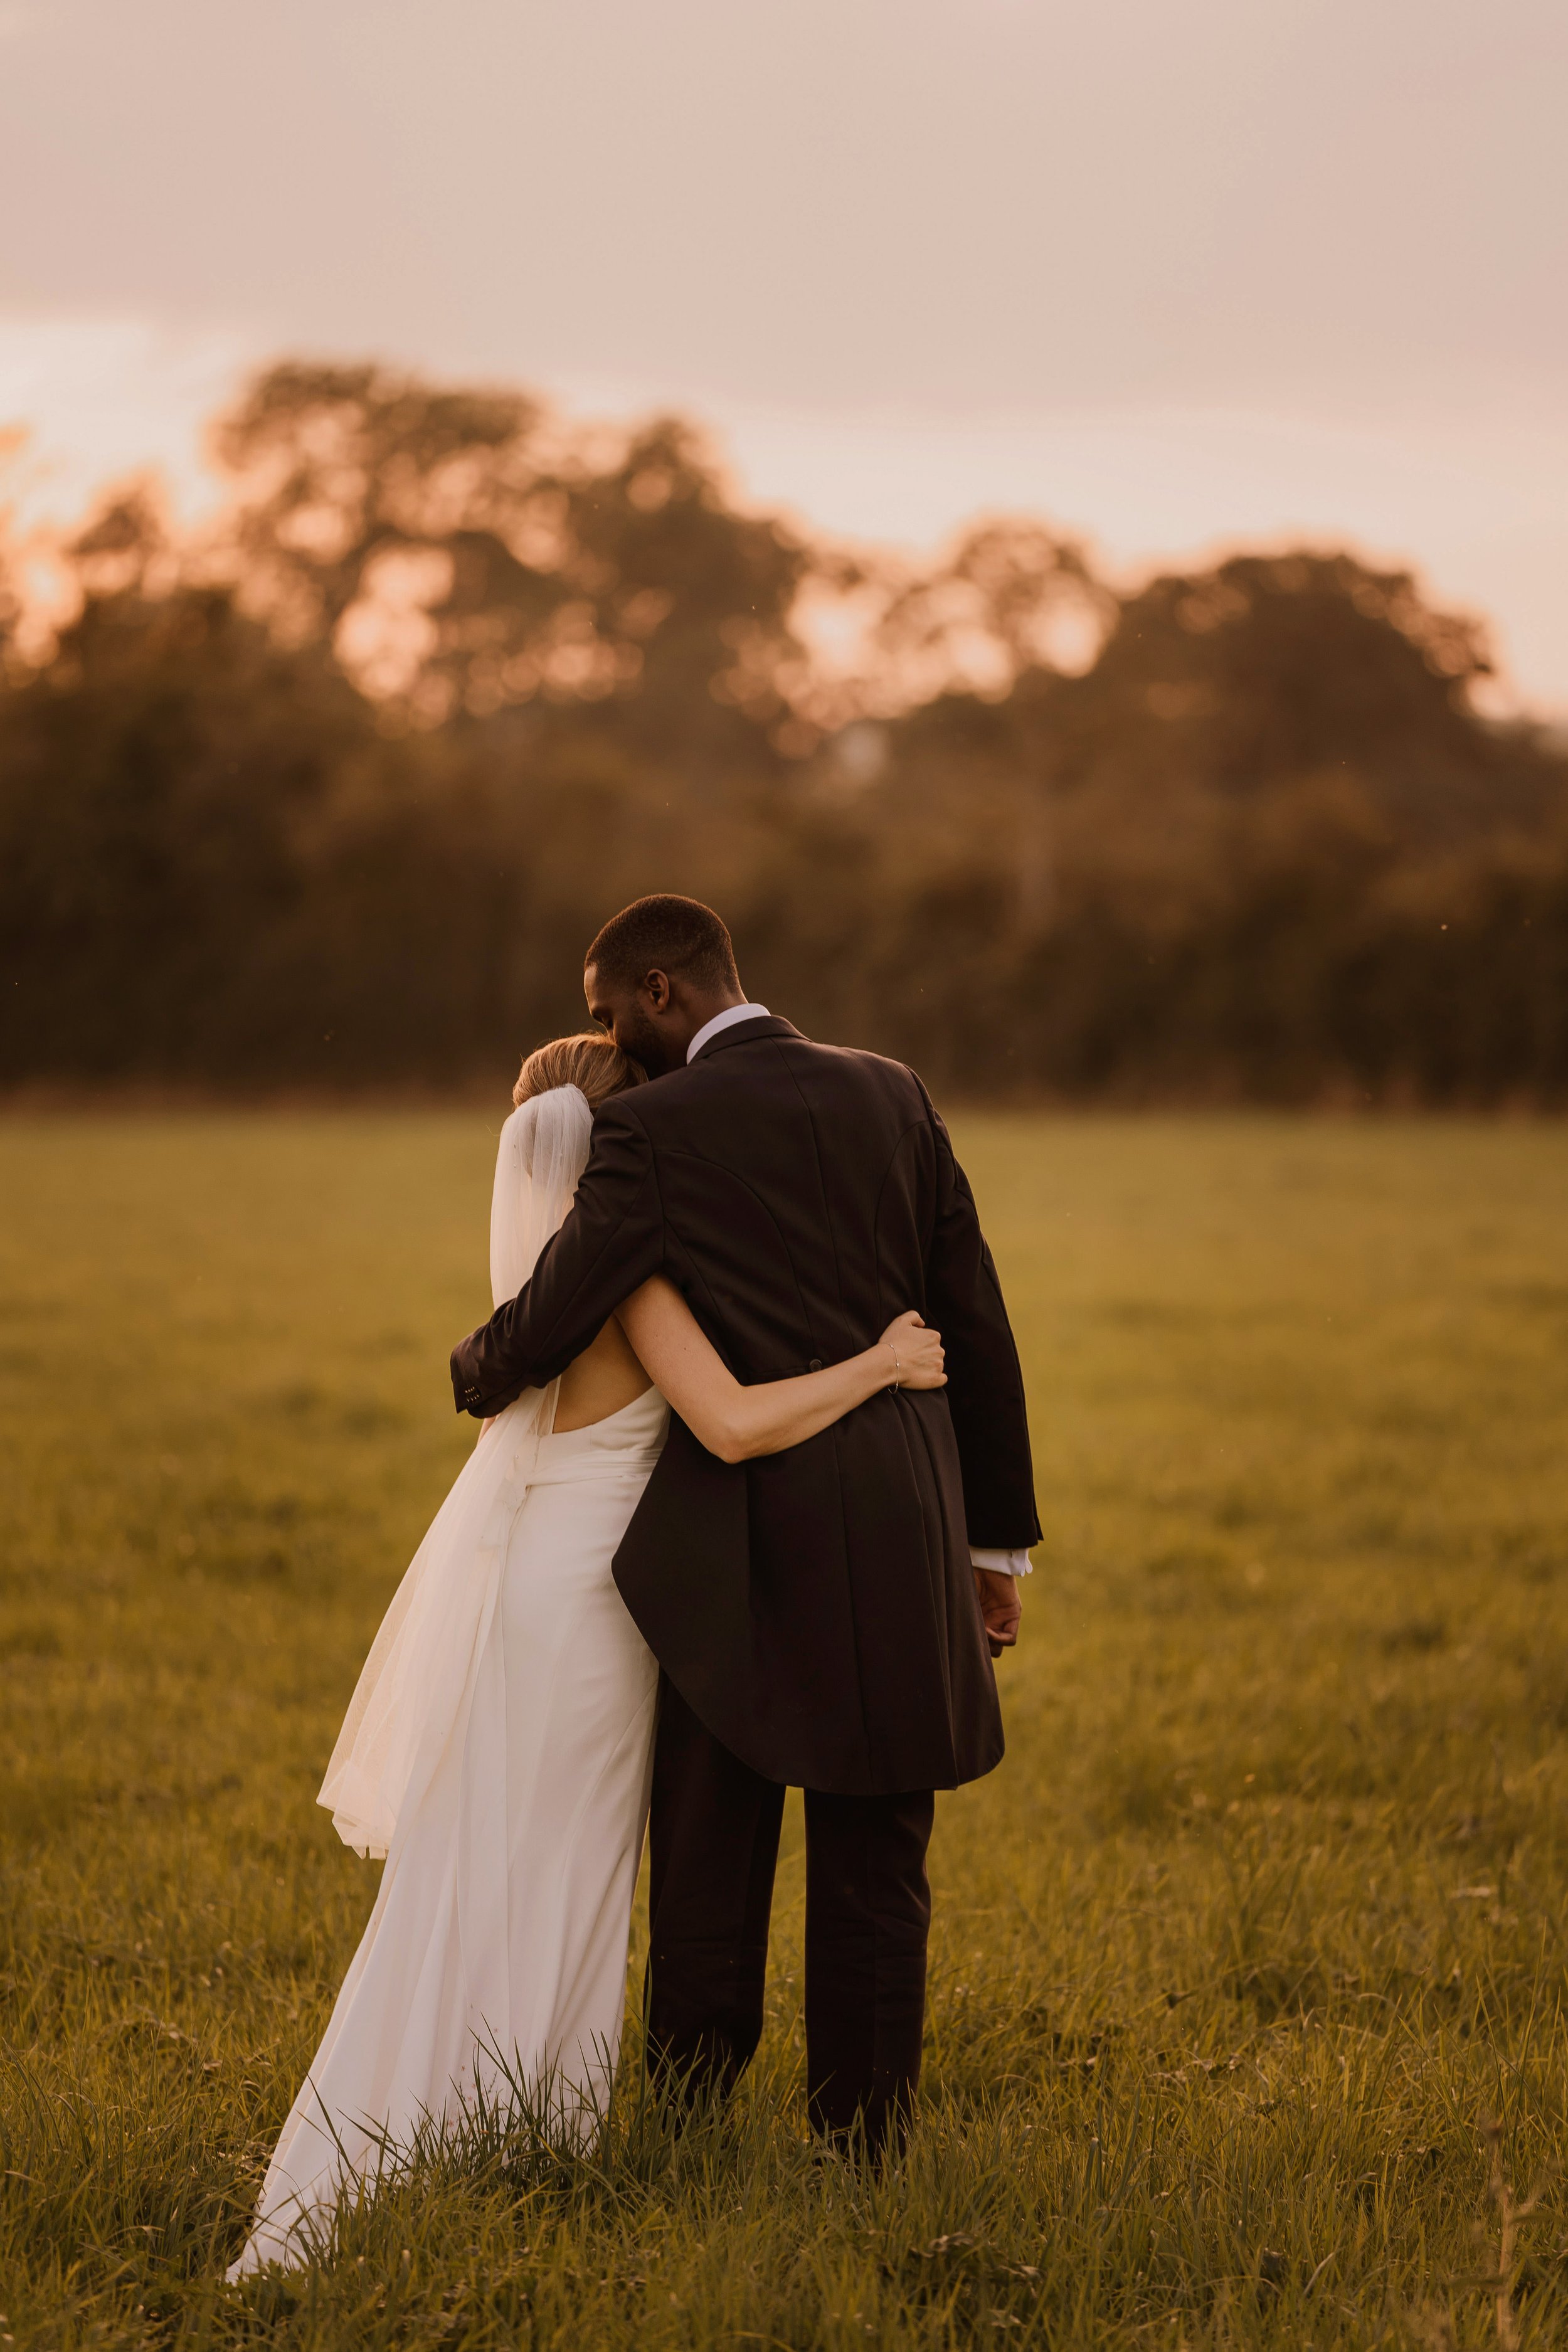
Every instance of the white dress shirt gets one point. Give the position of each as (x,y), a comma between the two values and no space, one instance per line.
(1005,1563)
(725,1020)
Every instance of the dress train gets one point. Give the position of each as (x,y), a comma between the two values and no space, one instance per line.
(496,1954)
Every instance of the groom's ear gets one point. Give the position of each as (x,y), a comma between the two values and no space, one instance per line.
(658,990)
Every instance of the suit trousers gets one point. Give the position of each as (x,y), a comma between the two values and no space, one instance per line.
(713,1844)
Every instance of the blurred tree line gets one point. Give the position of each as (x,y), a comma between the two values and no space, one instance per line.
(332,793)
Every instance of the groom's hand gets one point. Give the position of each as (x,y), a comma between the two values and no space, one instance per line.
(1001,1607)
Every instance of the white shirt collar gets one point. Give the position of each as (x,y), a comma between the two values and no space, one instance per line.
(725,1020)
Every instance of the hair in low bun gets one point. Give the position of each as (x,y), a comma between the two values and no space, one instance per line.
(592,1062)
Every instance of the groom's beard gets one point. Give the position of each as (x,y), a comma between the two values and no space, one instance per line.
(639,1035)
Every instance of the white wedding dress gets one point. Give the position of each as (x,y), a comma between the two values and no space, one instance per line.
(498,1750)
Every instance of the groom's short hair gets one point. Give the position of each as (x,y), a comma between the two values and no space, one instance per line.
(665,934)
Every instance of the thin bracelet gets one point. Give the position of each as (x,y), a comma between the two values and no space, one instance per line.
(898,1368)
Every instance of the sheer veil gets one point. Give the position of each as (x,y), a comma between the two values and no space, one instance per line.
(543,1151)
(413,1697)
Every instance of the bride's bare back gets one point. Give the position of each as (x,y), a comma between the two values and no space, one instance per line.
(600,1381)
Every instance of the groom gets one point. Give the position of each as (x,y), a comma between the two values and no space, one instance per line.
(823,1616)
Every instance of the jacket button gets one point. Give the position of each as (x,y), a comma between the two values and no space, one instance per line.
(816,1364)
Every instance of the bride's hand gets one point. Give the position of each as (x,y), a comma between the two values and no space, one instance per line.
(916,1351)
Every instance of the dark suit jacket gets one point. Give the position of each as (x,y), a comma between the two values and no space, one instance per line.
(817,1608)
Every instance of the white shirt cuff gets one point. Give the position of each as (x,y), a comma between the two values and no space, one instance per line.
(1003,1563)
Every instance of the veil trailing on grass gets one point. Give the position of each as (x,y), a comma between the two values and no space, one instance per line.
(414,1697)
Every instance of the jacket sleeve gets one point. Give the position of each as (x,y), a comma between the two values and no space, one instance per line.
(611,1240)
(984,1380)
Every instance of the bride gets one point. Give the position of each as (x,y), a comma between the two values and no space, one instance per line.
(498,1747)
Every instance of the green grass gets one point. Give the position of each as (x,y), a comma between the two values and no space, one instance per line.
(1260,1923)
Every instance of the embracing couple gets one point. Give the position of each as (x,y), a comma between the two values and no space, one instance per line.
(746,1513)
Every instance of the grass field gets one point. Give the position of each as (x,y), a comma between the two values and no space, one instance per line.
(1238,1958)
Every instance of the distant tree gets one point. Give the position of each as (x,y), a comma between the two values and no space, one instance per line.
(159,786)
(464,552)
(1276,667)
(1012,597)
(1009,600)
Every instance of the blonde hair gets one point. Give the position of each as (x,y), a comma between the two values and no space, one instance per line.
(592,1062)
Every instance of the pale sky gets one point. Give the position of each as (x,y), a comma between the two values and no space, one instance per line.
(1173,274)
